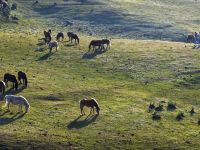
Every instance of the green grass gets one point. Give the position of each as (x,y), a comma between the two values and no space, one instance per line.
(117,79)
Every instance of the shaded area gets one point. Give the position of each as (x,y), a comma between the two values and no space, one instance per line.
(92,54)
(45,56)
(7,120)
(77,124)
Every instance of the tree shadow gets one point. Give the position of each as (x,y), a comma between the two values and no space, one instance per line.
(91,55)
(7,120)
(77,124)
(45,56)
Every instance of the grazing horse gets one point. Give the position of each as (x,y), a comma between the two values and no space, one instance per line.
(22,76)
(2,87)
(60,35)
(17,100)
(89,103)
(11,78)
(107,42)
(52,45)
(95,43)
(69,35)
(73,36)
(47,36)
(191,39)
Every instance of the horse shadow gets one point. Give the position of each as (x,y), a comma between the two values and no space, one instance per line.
(7,120)
(91,55)
(13,91)
(77,124)
(69,45)
(45,56)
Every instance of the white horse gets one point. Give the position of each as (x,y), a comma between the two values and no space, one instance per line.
(17,100)
(52,45)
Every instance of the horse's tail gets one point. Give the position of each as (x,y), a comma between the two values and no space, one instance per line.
(26,104)
(57,37)
(26,81)
(77,39)
(90,46)
(4,79)
(96,105)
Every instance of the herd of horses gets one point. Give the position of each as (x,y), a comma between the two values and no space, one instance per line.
(73,37)
(22,101)
(22,79)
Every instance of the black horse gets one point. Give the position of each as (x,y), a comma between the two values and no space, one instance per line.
(22,76)
(73,36)
(60,35)
(11,78)
(47,36)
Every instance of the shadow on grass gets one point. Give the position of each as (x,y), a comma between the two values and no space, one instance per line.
(91,55)
(7,120)
(12,91)
(77,124)
(45,56)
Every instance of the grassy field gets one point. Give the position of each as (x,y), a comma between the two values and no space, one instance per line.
(124,79)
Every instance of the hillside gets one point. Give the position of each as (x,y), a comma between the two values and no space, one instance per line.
(124,79)
(138,19)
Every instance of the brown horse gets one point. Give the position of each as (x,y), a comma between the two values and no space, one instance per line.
(2,87)
(11,78)
(89,103)
(73,36)
(95,43)
(191,38)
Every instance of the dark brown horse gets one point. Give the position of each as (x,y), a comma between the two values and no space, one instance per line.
(47,36)
(191,38)
(11,78)
(2,87)
(60,35)
(89,103)
(95,43)
(22,76)
(73,36)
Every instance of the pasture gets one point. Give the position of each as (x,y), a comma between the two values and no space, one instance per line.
(124,80)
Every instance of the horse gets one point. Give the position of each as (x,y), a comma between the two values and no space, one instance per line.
(89,103)
(95,43)
(107,42)
(191,38)
(2,87)
(69,35)
(52,45)
(47,36)
(22,76)
(73,36)
(17,100)
(11,78)
(60,35)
